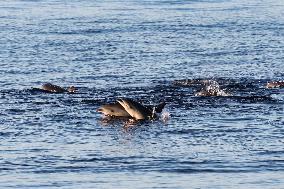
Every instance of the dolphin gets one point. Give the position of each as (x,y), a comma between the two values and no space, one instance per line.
(275,84)
(48,87)
(57,89)
(129,108)
(114,110)
(135,109)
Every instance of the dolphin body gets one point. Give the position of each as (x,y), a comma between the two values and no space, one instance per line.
(50,88)
(53,88)
(129,108)
(139,111)
(275,84)
(135,109)
(114,110)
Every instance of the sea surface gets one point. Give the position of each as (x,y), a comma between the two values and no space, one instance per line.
(136,49)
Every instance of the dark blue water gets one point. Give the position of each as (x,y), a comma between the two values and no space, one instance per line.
(112,49)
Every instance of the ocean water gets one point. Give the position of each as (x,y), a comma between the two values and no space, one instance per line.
(137,49)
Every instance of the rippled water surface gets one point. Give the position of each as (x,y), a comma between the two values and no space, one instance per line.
(136,49)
